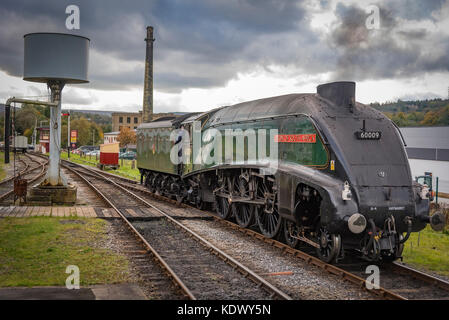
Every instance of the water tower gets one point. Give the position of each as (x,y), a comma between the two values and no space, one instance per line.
(56,59)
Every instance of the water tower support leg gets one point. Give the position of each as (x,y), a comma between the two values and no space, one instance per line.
(55,135)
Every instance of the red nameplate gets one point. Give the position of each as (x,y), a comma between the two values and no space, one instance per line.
(295,138)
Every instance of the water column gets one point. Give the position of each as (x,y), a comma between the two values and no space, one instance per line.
(54,177)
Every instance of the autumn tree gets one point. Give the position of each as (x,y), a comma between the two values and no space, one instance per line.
(430,119)
(88,132)
(126,136)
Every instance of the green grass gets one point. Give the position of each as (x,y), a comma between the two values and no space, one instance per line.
(124,170)
(2,164)
(36,252)
(431,253)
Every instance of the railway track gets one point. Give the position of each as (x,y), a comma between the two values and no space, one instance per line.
(409,283)
(28,173)
(397,281)
(200,269)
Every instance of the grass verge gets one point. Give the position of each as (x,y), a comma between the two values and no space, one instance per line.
(125,169)
(428,250)
(36,252)
(2,164)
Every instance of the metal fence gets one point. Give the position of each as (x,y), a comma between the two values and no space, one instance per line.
(428,154)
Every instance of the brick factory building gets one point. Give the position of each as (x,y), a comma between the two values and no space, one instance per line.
(131,119)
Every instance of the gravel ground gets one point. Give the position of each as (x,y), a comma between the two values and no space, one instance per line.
(85,195)
(306,282)
(160,286)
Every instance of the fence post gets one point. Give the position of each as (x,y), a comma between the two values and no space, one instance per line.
(436,191)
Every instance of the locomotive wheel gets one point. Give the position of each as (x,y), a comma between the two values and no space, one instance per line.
(267,216)
(199,204)
(396,255)
(243,212)
(223,207)
(330,245)
(269,223)
(291,231)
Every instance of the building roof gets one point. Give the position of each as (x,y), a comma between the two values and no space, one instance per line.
(426,137)
(127,113)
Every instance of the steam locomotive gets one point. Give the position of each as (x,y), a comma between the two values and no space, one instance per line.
(317,169)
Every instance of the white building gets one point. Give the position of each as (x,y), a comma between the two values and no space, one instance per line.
(111,137)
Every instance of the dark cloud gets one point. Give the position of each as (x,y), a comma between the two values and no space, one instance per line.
(388,52)
(413,9)
(414,34)
(207,43)
(208,37)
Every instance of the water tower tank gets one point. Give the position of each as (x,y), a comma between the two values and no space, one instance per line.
(56,56)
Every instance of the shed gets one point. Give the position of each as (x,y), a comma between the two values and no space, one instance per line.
(109,155)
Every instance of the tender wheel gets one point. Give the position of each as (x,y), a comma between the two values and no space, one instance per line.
(330,245)
(157,186)
(243,212)
(291,231)
(149,182)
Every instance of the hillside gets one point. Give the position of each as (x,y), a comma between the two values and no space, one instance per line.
(433,112)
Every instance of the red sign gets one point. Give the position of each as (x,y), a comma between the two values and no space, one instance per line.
(73,136)
(295,138)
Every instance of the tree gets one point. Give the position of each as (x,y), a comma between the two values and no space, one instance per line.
(88,132)
(430,119)
(126,136)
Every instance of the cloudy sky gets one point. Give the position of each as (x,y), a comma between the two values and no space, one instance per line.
(221,52)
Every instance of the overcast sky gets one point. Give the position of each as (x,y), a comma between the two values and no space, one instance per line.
(221,52)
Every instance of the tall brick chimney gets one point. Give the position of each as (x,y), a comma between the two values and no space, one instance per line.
(148,84)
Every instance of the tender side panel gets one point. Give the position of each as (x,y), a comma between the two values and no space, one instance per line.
(153,151)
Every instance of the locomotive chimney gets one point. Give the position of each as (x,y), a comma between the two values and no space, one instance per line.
(341,93)
(148,81)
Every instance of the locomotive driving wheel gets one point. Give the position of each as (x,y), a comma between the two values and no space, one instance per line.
(329,245)
(243,212)
(267,216)
(222,205)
